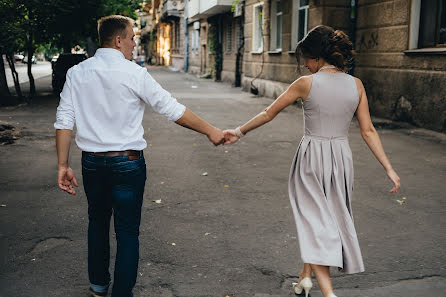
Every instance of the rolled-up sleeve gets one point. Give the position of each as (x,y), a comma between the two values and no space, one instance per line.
(159,99)
(65,111)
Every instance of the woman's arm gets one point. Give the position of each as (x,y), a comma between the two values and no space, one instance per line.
(371,137)
(298,89)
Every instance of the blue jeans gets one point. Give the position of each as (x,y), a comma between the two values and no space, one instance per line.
(113,184)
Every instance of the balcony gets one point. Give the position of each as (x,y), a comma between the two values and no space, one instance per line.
(193,10)
(171,9)
(212,7)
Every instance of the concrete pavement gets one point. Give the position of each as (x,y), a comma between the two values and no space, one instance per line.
(230,232)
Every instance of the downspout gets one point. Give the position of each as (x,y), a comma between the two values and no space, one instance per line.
(219,48)
(186,37)
(352,28)
(239,61)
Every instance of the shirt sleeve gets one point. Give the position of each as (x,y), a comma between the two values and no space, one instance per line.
(159,99)
(65,111)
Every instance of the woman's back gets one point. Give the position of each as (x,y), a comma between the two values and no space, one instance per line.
(330,104)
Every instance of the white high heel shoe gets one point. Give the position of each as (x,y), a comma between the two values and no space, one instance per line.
(304,285)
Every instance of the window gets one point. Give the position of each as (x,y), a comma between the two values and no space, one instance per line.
(177,35)
(257,40)
(276,25)
(229,37)
(192,40)
(428,24)
(300,21)
(239,31)
(195,40)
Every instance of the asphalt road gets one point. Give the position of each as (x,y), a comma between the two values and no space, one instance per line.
(230,232)
(40,69)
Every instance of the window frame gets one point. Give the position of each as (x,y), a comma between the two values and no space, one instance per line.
(229,36)
(295,22)
(276,39)
(415,28)
(255,25)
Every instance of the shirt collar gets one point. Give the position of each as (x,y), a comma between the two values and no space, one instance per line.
(106,51)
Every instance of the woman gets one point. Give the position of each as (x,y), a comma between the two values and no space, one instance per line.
(321,177)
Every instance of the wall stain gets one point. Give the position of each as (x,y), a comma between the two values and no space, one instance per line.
(368,41)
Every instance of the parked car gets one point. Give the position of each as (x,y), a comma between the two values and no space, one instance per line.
(33,60)
(53,60)
(18,57)
(60,67)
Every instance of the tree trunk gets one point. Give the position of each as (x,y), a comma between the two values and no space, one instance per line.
(15,75)
(4,90)
(31,49)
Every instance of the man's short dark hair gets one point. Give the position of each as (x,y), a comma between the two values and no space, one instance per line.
(112,25)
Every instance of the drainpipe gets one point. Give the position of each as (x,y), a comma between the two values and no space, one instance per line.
(219,48)
(352,27)
(238,61)
(186,37)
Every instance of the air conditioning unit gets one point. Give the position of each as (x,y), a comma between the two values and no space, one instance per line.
(238,8)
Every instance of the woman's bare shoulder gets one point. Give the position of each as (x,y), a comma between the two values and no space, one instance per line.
(302,82)
(302,86)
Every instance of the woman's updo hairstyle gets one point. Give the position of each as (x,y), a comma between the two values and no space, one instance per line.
(326,43)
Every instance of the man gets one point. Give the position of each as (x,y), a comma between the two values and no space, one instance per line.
(105,97)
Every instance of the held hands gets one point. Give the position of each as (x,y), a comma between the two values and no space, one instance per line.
(65,176)
(230,136)
(216,137)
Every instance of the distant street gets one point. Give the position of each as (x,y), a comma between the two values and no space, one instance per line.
(40,69)
(217,221)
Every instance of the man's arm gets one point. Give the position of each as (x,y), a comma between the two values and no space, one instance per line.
(193,122)
(65,176)
(163,103)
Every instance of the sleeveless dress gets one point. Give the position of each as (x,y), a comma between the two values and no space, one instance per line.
(321,177)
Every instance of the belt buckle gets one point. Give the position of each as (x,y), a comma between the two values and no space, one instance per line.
(132,158)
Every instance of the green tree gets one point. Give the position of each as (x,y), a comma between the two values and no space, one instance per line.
(60,23)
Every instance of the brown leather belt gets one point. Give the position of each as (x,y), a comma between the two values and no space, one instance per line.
(132,154)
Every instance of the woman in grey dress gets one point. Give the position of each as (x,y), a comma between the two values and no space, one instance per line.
(321,177)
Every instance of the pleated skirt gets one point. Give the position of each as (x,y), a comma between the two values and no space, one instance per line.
(320,190)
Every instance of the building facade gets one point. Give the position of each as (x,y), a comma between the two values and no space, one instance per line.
(214,36)
(400,46)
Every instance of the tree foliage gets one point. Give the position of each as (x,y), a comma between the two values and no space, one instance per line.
(28,24)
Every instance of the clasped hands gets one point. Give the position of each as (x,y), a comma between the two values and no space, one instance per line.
(218,136)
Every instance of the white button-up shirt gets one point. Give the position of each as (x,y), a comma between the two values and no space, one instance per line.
(105,96)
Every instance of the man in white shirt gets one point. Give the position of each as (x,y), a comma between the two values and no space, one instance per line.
(105,96)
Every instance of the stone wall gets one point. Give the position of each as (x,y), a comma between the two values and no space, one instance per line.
(229,55)
(276,70)
(399,86)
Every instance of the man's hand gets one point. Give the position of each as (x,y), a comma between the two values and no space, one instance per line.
(216,137)
(230,136)
(65,176)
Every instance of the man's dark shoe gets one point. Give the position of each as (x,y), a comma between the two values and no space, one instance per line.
(92,293)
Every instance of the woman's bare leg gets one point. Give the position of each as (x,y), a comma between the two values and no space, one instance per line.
(306,271)
(322,274)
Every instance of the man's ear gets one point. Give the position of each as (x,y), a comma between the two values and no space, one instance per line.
(117,41)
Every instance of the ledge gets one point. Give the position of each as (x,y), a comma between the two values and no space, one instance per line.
(275,52)
(426,51)
(256,52)
(291,52)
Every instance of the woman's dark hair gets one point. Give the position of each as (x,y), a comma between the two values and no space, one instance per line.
(331,45)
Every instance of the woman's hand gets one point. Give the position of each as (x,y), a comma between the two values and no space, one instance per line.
(395,179)
(230,136)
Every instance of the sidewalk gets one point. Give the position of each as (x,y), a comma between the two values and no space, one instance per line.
(232,228)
